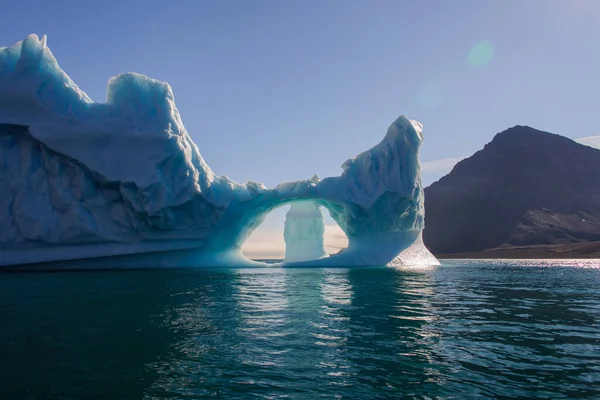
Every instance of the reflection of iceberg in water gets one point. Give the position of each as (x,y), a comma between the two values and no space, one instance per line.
(394,311)
(296,320)
(414,311)
(262,305)
(336,289)
(273,331)
(332,329)
(148,189)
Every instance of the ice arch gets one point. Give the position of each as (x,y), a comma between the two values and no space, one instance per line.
(88,180)
(377,201)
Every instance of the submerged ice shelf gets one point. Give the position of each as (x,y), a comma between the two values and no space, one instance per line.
(73,189)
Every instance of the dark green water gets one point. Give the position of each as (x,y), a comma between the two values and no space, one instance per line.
(464,330)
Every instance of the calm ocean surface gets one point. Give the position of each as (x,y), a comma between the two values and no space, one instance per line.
(467,329)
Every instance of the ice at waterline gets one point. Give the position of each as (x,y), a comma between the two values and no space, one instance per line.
(72,188)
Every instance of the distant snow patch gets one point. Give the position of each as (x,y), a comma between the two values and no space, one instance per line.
(592,141)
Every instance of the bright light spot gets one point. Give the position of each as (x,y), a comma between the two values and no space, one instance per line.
(430,96)
(334,239)
(267,242)
(481,54)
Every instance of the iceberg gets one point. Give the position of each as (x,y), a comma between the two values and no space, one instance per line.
(73,189)
(304,233)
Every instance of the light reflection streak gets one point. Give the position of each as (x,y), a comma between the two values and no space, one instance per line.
(415,314)
(262,303)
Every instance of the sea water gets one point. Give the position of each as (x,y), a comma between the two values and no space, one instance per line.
(464,330)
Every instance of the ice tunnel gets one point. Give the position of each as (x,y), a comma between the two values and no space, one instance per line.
(73,190)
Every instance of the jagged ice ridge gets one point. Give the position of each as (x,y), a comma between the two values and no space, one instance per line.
(72,188)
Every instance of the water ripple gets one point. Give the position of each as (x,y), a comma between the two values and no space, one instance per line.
(466,330)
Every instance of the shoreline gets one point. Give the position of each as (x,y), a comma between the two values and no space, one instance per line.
(586,250)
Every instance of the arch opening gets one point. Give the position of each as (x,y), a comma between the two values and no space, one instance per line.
(298,230)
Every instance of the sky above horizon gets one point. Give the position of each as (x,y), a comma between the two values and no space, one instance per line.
(276,91)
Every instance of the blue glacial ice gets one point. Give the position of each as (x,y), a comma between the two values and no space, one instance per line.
(304,232)
(72,188)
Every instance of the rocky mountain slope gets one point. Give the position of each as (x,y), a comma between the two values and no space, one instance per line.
(526,187)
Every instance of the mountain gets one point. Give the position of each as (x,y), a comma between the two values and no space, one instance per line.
(524,188)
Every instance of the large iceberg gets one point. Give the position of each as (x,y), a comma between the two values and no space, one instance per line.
(304,233)
(73,188)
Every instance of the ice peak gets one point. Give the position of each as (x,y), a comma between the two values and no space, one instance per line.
(141,97)
(412,130)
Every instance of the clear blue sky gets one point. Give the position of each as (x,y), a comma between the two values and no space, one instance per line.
(280,90)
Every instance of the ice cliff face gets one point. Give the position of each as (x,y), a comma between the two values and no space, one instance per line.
(303,232)
(73,188)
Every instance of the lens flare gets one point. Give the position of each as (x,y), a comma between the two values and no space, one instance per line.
(481,54)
